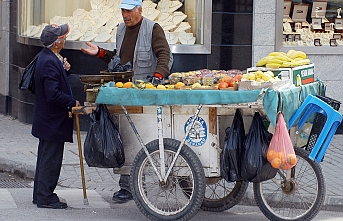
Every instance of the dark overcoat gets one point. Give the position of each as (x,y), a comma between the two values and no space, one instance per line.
(53,100)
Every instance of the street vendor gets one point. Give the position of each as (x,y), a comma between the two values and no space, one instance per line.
(141,42)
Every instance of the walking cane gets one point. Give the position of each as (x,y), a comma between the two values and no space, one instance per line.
(77,123)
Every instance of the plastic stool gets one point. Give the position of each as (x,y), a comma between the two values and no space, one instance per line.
(311,105)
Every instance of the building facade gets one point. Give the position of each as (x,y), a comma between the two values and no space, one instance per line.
(240,33)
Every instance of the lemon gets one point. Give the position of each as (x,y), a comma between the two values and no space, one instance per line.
(170,86)
(178,85)
(149,86)
(195,85)
(161,87)
(119,84)
(251,76)
(127,85)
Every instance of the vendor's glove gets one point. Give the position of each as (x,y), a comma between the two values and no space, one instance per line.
(156,79)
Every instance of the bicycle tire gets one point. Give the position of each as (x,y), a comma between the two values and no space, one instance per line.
(300,202)
(168,201)
(222,195)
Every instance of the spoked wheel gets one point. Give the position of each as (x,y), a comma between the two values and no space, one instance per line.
(168,201)
(299,199)
(221,195)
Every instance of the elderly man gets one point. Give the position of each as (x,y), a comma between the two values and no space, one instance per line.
(143,43)
(139,41)
(51,122)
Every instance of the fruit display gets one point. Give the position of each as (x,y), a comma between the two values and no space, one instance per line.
(260,76)
(275,60)
(204,79)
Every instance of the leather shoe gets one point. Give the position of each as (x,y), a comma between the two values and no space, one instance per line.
(122,196)
(57,205)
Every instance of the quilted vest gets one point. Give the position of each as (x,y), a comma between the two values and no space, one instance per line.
(144,58)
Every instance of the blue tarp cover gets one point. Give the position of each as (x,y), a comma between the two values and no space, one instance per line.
(286,101)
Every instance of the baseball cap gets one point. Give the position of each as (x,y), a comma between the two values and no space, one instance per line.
(130,4)
(52,32)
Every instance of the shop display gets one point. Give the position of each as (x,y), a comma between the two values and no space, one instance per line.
(86,25)
(315,29)
(319,11)
(300,13)
(286,10)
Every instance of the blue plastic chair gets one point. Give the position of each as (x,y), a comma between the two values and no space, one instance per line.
(311,105)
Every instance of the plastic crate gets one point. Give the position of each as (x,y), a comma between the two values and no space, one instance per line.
(319,121)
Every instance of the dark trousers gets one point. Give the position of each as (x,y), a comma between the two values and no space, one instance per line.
(124,182)
(48,168)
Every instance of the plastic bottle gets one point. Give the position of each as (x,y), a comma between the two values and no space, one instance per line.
(304,134)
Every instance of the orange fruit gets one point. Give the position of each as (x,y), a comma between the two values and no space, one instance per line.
(276,163)
(127,85)
(280,155)
(291,159)
(270,155)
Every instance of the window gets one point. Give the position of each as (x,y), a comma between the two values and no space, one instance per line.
(312,23)
(187,23)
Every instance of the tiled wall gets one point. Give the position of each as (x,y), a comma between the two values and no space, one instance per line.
(264,31)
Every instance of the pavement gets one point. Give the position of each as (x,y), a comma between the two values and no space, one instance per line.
(18,155)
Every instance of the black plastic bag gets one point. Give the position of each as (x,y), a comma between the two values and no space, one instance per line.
(233,145)
(103,146)
(27,80)
(254,165)
(115,65)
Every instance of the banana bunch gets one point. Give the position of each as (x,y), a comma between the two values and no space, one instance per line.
(277,59)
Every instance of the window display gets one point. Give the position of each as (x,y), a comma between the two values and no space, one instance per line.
(315,23)
(97,20)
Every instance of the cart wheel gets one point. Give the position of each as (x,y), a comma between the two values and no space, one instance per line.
(299,199)
(168,201)
(220,195)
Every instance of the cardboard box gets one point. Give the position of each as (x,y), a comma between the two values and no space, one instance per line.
(306,73)
(253,85)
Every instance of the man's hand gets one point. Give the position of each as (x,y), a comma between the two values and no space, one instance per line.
(77,103)
(92,50)
(66,64)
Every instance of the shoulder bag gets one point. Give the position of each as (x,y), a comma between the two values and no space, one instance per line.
(27,80)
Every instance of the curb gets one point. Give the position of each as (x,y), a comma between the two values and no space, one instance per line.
(23,170)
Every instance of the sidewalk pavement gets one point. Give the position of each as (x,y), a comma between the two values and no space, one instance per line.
(18,150)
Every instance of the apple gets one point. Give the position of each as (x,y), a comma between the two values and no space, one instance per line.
(222,85)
